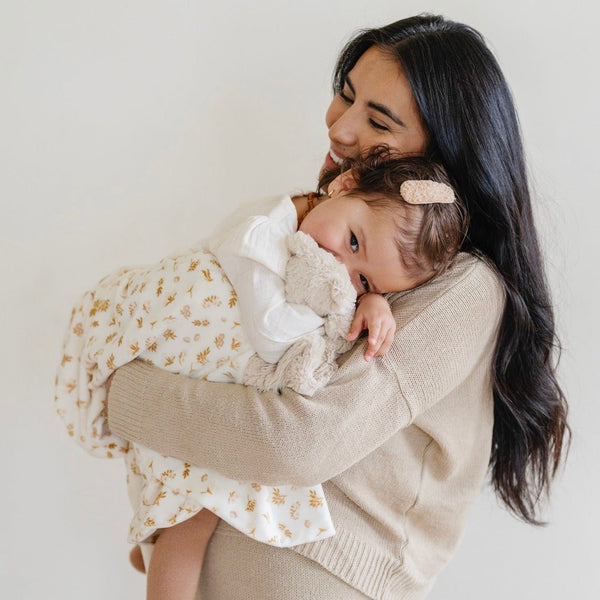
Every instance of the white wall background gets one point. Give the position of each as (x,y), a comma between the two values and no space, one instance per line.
(128,127)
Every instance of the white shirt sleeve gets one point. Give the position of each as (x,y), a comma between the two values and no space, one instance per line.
(254,255)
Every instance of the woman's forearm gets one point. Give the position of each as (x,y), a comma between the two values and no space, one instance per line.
(244,434)
(286,438)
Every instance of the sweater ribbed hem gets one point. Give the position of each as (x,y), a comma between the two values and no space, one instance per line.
(376,574)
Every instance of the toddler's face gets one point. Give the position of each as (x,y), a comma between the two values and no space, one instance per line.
(363,239)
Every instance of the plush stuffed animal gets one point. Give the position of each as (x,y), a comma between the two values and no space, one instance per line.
(316,279)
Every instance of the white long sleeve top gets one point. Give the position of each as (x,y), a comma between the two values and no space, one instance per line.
(252,252)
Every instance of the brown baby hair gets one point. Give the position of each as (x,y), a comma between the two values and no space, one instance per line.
(429,232)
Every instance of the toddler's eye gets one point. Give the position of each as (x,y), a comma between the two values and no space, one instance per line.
(353,242)
(365,283)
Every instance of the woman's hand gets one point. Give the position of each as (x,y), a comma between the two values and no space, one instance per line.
(373,313)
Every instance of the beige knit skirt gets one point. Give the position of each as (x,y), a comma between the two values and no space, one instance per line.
(238,568)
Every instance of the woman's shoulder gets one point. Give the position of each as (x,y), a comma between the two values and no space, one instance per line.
(471,282)
(467,273)
(445,329)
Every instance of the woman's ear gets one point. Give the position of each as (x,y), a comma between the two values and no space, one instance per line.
(344,182)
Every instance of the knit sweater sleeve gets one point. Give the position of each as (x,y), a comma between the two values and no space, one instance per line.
(443,329)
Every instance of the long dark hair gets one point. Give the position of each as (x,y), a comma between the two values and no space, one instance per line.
(473,130)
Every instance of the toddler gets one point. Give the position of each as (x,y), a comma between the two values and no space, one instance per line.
(222,311)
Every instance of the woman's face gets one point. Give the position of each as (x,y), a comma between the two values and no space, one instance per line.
(375,107)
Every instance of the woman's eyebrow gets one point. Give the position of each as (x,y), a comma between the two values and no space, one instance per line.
(387,112)
(377,106)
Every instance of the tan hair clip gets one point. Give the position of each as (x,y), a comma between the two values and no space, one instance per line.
(425,191)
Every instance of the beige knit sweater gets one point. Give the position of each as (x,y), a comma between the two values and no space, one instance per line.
(402,443)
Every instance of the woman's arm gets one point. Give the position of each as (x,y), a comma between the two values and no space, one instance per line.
(275,438)
(444,330)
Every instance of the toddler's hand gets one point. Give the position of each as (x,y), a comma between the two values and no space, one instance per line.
(374,313)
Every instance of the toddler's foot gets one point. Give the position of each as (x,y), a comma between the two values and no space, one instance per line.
(136,559)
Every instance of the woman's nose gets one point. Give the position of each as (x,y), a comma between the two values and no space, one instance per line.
(343,130)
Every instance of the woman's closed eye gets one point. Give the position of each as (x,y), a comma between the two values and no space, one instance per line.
(346,97)
(378,126)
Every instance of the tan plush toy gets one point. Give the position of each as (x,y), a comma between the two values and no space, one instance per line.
(316,279)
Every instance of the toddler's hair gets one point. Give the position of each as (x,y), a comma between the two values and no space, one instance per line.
(428,235)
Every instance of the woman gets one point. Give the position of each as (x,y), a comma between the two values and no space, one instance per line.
(403,443)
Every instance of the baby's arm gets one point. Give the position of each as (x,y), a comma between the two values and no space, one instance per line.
(375,314)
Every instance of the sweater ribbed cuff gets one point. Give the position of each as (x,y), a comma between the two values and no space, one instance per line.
(126,400)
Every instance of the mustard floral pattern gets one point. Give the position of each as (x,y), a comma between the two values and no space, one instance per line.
(181,315)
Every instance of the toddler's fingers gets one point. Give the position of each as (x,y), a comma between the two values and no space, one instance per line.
(374,341)
(385,346)
(355,329)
